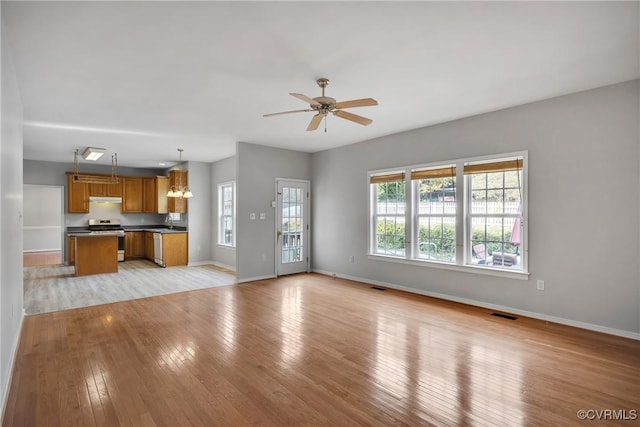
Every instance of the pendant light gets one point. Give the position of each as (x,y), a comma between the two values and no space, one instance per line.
(180,191)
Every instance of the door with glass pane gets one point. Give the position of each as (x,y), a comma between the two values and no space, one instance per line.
(292,227)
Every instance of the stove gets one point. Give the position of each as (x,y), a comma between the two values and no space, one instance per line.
(109,226)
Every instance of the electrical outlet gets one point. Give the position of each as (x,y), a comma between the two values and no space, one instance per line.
(541,285)
(352,259)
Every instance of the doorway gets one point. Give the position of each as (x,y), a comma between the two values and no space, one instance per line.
(292,227)
(42,227)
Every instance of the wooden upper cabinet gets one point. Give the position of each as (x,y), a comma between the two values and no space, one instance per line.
(77,196)
(132,195)
(178,178)
(114,190)
(149,195)
(106,190)
(97,190)
(155,194)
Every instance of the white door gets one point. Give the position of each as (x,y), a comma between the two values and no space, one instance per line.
(292,227)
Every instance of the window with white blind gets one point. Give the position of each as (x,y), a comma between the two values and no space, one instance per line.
(226,214)
(466,213)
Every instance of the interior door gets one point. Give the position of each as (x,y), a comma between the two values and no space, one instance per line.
(292,227)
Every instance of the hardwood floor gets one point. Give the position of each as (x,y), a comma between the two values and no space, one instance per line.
(309,350)
(30,259)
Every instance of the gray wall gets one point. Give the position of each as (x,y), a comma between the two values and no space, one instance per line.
(584,227)
(257,169)
(11,304)
(53,173)
(221,171)
(199,212)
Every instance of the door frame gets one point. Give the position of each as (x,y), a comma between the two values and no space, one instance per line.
(277,219)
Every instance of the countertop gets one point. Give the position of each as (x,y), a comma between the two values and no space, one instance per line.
(85,232)
(91,234)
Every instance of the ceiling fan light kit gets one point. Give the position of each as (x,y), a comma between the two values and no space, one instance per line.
(323,105)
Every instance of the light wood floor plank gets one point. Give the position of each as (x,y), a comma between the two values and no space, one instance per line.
(309,350)
(55,288)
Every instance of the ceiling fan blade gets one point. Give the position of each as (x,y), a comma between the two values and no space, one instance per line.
(287,112)
(364,102)
(353,117)
(306,99)
(315,122)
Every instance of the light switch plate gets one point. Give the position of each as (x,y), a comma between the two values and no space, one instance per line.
(263,215)
(252,215)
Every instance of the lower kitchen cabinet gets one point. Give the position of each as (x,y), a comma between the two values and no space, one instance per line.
(175,249)
(134,244)
(71,250)
(148,245)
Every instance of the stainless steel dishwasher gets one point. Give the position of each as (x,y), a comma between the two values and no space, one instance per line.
(157,249)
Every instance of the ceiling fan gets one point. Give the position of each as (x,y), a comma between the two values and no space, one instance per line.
(323,105)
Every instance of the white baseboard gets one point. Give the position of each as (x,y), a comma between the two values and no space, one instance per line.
(222,265)
(253,279)
(198,263)
(534,315)
(14,352)
(216,263)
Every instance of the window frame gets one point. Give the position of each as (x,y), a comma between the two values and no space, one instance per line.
(374,211)
(222,216)
(463,219)
(417,215)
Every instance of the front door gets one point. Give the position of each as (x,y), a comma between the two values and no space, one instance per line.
(292,226)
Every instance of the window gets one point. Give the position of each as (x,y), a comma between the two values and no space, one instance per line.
(435,220)
(495,200)
(468,213)
(388,192)
(226,214)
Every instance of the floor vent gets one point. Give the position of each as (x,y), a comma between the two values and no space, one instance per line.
(378,288)
(504,316)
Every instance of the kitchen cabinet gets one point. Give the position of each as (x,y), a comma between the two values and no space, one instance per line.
(71,250)
(148,245)
(175,249)
(106,190)
(134,244)
(132,195)
(178,178)
(97,254)
(155,194)
(77,195)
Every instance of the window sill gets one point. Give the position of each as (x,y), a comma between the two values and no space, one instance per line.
(222,245)
(487,271)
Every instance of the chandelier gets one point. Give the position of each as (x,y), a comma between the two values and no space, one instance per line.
(178,190)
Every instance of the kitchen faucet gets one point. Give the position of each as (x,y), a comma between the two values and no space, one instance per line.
(170,221)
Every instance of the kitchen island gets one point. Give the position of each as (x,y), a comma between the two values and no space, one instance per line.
(95,253)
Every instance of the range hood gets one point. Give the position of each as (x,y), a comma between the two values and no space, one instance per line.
(100,199)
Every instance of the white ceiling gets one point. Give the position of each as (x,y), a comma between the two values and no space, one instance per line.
(145,78)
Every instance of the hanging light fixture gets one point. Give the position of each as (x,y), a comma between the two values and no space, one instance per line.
(180,191)
(96,179)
